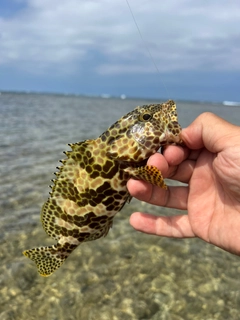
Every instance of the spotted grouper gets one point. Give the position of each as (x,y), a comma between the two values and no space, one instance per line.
(90,186)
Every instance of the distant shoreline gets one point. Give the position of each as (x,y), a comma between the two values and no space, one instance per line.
(106,96)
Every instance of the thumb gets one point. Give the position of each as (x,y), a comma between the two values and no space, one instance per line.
(211,132)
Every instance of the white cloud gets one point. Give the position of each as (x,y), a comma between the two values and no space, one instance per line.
(60,36)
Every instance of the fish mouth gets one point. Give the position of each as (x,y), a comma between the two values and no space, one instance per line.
(170,138)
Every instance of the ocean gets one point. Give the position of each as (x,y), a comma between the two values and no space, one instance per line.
(126,275)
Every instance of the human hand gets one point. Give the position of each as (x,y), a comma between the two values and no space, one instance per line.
(210,165)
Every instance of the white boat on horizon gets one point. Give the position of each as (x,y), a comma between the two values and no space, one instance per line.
(231,103)
(105,96)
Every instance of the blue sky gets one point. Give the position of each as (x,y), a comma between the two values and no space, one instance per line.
(93,47)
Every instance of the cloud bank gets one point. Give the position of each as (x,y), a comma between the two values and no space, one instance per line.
(63,37)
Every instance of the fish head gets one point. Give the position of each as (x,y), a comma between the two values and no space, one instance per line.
(141,132)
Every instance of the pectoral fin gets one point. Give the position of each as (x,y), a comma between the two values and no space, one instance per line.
(150,174)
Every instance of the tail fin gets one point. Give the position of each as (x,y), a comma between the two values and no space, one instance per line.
(47,259)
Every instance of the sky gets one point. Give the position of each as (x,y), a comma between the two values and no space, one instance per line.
(179,49)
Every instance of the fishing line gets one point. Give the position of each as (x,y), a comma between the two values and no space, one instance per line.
(145,45)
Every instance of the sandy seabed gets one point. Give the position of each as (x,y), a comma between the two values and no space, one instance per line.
(127,275)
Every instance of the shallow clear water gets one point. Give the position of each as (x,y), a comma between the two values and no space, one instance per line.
(127,275)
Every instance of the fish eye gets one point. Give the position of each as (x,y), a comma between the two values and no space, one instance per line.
(145,117)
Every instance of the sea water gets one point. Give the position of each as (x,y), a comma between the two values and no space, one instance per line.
(127,275)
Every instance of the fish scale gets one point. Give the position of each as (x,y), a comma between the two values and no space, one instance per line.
(91,185)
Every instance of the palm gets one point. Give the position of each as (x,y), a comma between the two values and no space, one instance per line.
(213,202)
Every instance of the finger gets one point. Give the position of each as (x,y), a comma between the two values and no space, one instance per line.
(174,226)
(159,161)
(177,154)
(182,173)
(173,197)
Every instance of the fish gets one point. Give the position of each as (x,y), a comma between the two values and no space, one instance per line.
(91,184)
